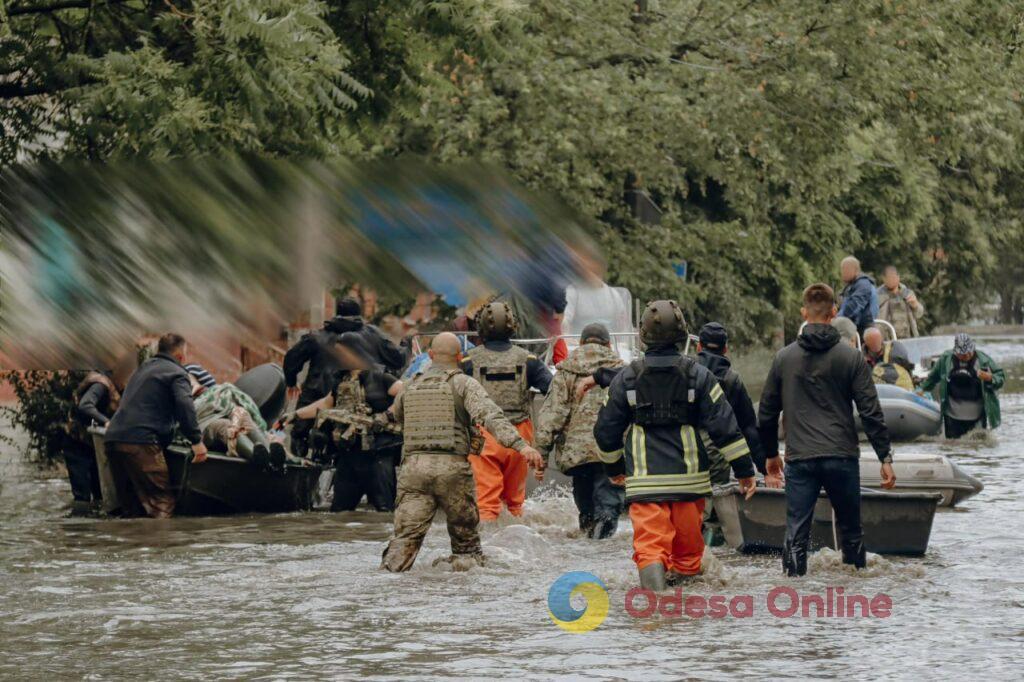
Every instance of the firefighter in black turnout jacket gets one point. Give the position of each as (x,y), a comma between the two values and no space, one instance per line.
(649,433)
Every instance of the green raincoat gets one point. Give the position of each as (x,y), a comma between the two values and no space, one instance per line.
(939,376)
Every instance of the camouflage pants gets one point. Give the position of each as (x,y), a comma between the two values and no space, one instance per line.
(425,483)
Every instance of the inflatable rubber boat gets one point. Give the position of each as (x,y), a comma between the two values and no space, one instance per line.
(907,414)
(917,472)
(894,523)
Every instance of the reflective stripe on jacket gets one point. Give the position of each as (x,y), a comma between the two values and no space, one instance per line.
(669,463)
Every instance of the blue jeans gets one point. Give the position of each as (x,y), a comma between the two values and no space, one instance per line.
(840,477)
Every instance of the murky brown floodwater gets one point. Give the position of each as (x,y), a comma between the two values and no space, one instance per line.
(300,596)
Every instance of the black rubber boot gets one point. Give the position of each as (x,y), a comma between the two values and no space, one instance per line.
(278,457)
(855,554)
(653,578)
(794,560)
(260,457)
(603,528)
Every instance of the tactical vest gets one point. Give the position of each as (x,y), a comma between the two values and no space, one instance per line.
(665,393)
(502,373)
(430,422)
(350,395)
(888,372)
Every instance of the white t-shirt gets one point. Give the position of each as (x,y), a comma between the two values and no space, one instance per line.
(586,304)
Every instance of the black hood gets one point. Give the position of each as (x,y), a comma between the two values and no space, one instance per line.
(818,338)
(339,324)
(355,343)
(718,364)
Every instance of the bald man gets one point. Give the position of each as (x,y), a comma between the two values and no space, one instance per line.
(440,411)
(888,360)
(860,298)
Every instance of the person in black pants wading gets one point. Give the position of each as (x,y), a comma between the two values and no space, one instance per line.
(354,420)
(815,381)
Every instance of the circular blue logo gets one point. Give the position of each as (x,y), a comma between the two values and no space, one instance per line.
(584,584)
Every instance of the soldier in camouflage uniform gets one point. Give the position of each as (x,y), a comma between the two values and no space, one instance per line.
(507,373)
(566,422)
(438,412)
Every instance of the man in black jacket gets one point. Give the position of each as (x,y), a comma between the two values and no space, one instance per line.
(814,381)
(317,350)
(158,397)
(712,352)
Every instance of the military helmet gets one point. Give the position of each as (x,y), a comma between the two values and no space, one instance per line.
(662,322)
(496,321)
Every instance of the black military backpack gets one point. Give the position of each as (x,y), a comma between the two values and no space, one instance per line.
(665,393)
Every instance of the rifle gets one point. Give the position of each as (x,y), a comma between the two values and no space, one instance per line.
(359,422)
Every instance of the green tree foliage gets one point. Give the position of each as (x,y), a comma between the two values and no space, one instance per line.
(159,78)
(775,136)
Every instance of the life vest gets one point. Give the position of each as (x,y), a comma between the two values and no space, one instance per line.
(888,372)
(665,391)
(502,373)
(430,422)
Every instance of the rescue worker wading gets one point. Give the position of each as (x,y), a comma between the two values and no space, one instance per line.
(438,411)
(712,352)
(362,439)
(648,433)
(566,422)
(507,373)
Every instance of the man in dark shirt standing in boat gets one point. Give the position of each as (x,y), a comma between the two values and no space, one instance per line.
(158,396)
(815,381)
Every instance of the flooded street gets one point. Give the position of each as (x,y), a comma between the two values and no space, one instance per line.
(301,596)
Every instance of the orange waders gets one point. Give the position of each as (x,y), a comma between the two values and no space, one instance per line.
(500,475)
(669,533)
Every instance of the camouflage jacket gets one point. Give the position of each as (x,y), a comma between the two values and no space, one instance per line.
(894,309)
(567,423)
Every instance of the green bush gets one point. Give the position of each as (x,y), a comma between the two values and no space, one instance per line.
(44,399)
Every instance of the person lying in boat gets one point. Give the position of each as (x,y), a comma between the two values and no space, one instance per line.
(888,360)
(231,423)
(355,428)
